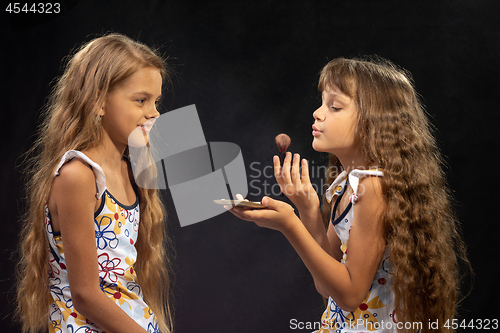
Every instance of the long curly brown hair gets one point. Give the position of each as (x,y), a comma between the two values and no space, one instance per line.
(422,233)
(71,122)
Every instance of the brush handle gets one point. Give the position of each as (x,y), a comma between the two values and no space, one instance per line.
(282,160)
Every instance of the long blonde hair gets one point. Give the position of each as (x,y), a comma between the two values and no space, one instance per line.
(422,233)
(71,122)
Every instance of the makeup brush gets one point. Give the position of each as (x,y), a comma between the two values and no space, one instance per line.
(282,141)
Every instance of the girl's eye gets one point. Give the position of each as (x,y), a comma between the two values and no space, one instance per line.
(335,109)
(141,100)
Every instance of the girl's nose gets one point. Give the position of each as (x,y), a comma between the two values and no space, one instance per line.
(318,114)
(153,113)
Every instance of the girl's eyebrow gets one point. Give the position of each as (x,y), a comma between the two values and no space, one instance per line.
(340,97)
(145,93)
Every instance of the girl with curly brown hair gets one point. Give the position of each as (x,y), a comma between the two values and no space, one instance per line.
(384,249)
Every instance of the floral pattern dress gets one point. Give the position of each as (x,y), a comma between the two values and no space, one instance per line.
(376,311)
(116,229)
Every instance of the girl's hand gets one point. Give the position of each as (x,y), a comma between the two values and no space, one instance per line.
(278,215)
(294,184)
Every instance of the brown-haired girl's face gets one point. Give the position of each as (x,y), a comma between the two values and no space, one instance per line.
(335,123)
(130,109)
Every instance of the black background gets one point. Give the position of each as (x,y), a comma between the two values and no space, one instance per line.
(251,68)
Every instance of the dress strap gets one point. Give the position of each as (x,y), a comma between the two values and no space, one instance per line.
(336,187)
(339,197)
(100,178)
(354,177)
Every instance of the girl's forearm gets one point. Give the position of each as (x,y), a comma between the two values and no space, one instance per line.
(313,221)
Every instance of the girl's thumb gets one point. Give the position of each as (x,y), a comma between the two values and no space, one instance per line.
(268,202)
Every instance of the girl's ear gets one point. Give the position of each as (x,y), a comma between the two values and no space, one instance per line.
(103,106)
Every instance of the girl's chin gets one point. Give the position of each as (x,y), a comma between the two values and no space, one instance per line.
(318,147)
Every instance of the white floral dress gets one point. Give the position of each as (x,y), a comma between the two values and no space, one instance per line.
(376,312)
(116,229)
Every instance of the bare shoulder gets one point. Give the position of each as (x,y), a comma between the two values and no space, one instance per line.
(371,187)
(371,203)
(75,177)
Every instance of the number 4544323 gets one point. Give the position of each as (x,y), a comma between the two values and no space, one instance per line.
(478,324)
(34,8)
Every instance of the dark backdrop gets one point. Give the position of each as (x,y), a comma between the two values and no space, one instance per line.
(251,68)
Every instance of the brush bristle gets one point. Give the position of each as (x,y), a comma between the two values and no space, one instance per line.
(283,141)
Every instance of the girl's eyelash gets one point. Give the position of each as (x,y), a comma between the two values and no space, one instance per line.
(143,100)
(335,109)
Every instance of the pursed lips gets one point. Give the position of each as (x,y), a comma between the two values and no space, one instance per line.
(316,131)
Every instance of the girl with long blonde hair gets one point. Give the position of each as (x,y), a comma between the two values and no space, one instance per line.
(93,255)
(384,249)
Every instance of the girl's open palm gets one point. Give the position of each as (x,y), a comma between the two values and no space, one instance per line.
(295,184)
(278,216)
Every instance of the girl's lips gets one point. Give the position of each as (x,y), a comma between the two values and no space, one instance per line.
(315,131)
(145,128)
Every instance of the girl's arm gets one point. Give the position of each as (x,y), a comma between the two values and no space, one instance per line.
(74,192)
(296,185)
(347,284)
(335,243)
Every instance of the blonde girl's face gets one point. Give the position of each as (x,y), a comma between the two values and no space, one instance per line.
(334,123)
(130,109)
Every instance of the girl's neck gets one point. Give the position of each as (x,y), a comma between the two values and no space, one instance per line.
(107,154)
(355,161)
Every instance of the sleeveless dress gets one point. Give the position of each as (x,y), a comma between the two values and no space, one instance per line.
(376,311)
(116,229)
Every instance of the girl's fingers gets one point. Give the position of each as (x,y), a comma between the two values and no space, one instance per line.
(277,170)
(295,170)
(285,171)
(305,171)
(248,214)
(236,212)
(240,197)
